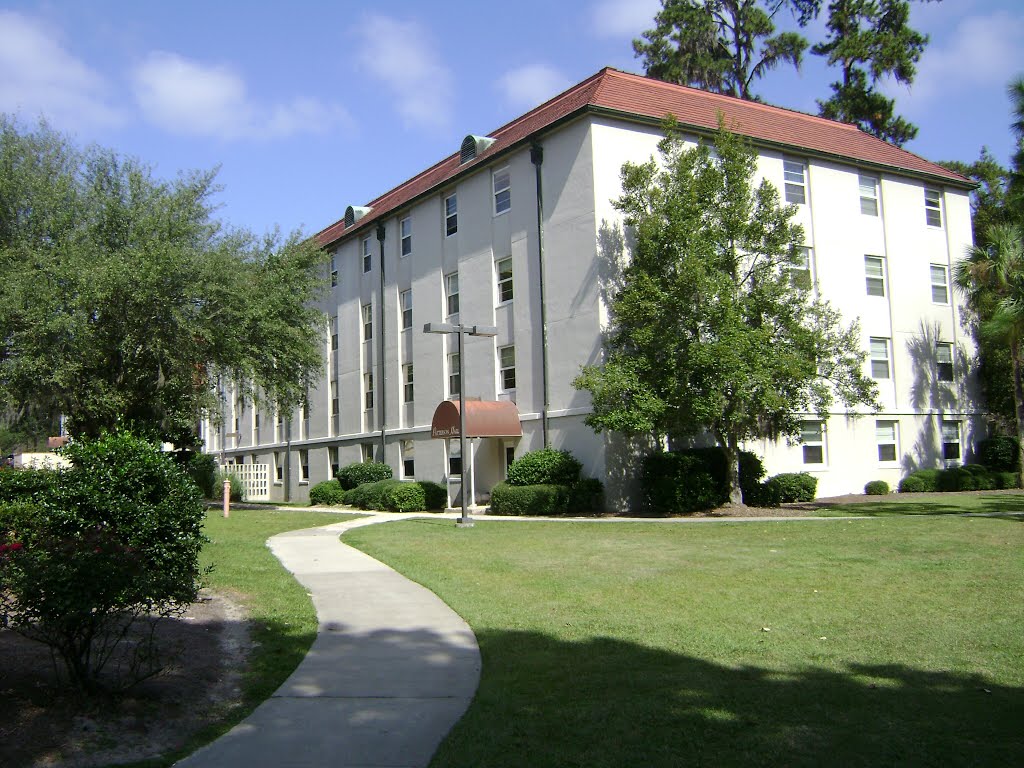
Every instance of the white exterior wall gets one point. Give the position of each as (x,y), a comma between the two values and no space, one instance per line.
(583,242)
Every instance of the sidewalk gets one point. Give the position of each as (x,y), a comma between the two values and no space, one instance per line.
(392,668)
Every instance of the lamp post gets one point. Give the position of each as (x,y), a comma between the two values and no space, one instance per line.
(461,331)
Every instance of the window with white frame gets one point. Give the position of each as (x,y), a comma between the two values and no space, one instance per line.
(334,332)
(334,270)
(367,254)
(454,374)
(812,439)
(503,268)
(944,362)
(332,461)
(408,459)
(796,185)
(278,466)
(502,190)
(507,366)
(933,207)
(367,451)
(405,230)
(879,358)
(451,215)
(800,271)
(951,440)
(886,436)
(405,299)
(303,466)
(874,275)
(940,286)
(407,388)
(368,391)
(451,292)
(367,322)
(868,195)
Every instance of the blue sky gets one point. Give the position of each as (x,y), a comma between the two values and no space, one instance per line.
(311,106)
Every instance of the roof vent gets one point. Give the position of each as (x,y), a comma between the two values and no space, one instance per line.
(354,213)
(473,146)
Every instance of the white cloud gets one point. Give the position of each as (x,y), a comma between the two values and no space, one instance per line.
(400,54)
(39,77)
(531,85)
(623,18)
(982,52)
(194,99)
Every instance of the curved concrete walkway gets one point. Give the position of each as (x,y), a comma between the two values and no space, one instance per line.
(391,670)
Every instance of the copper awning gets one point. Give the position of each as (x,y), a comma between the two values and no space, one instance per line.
(484,418)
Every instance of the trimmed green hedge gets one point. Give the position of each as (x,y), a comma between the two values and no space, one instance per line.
(1000,453)
(392,495)
(354,475)
(876,488)
(24,484)
(921,481)
(970,477)
(540,500)
(546,466)
(790,487)
(329,492)
(680,482)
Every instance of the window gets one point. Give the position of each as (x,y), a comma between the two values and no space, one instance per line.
(334,270)
(812,437)
(944,362)
(367,449)
(367,255)
(951,440)
(932,208)
(454,374)
(256,428)
(874,274)
(507,363)
(793,173)
(885,437)
(451,216)
(408,459)
(879,358)
(405,225)
(407,383)
(868,195)
(502,191)
(367,322)
(279,467)
(940,288)
(334,332)
(368,391)
(455,459)
(510,456)
(800,270)
(332,459)
(405,299)
(334,397)
(304,466)
(504,268)
(451,291)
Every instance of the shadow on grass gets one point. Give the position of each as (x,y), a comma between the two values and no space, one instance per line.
(1012,506)
(604,702)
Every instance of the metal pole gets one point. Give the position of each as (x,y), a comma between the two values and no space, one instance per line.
(464,521)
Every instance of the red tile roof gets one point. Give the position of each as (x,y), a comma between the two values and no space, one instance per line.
(635,97)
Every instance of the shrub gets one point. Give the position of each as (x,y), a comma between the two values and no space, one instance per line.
(202,468)
(792,487)
(369,495)
(547,466)
(751,472)
(237,487)
(1000,453)
(956,479)
(679,482)
(877,488)
(586,496)
(402,496)
(435,495)
(1006,480)
(328,492)
(540,500)
(108,549)
(924,480)
(354,475)
(983,479)
(24,484)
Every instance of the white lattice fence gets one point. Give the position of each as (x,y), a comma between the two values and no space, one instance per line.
(255,478)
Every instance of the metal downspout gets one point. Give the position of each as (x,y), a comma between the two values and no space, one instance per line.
(383,380)
(537,158)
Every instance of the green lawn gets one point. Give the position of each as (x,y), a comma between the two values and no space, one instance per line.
(890,641)
(931,504)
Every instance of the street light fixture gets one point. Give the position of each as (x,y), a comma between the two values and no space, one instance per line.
(462,330)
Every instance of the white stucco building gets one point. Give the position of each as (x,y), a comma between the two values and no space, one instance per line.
(516,230)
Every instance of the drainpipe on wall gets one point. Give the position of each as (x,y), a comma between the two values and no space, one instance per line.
(537,158)
(383,402)
(288,460)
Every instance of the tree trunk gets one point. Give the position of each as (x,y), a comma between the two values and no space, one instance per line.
(1018,401)
(732,476)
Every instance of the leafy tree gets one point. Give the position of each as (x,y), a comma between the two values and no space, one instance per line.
(710,287)
(870,40)
(124,298)
(719,45)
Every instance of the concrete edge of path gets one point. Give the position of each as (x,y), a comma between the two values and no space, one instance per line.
(391,670)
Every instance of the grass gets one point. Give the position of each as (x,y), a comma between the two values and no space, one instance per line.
(282,620)
(847,642)
(930,504)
